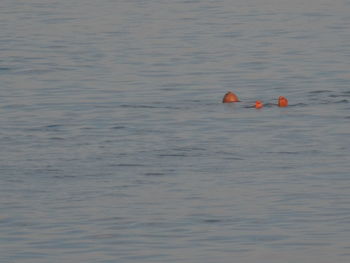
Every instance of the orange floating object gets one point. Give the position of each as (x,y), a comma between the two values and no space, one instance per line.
(282,102)
(258,104)
(230,97)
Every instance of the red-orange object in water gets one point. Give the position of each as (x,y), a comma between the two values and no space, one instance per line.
(282,102)
(230,97)
(258,104)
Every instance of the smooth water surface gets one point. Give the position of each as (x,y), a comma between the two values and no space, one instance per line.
(115,146)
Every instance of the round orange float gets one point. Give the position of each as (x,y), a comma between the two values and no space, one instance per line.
(230,97)
(258,104)
(282,101)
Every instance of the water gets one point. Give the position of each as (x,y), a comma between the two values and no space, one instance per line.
(115,146)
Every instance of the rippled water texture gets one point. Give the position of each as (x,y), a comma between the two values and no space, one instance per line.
(115,146)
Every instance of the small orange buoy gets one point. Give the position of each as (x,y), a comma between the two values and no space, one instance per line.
(258,104)
(230,97)
(282,102)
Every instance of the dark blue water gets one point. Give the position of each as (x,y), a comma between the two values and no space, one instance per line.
(115,146)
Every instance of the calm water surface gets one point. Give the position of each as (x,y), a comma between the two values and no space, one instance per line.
(115,146)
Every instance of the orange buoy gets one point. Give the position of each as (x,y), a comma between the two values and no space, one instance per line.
(258,104)
(230,97)
(282,102)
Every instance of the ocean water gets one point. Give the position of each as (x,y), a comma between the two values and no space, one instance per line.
(115,146)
